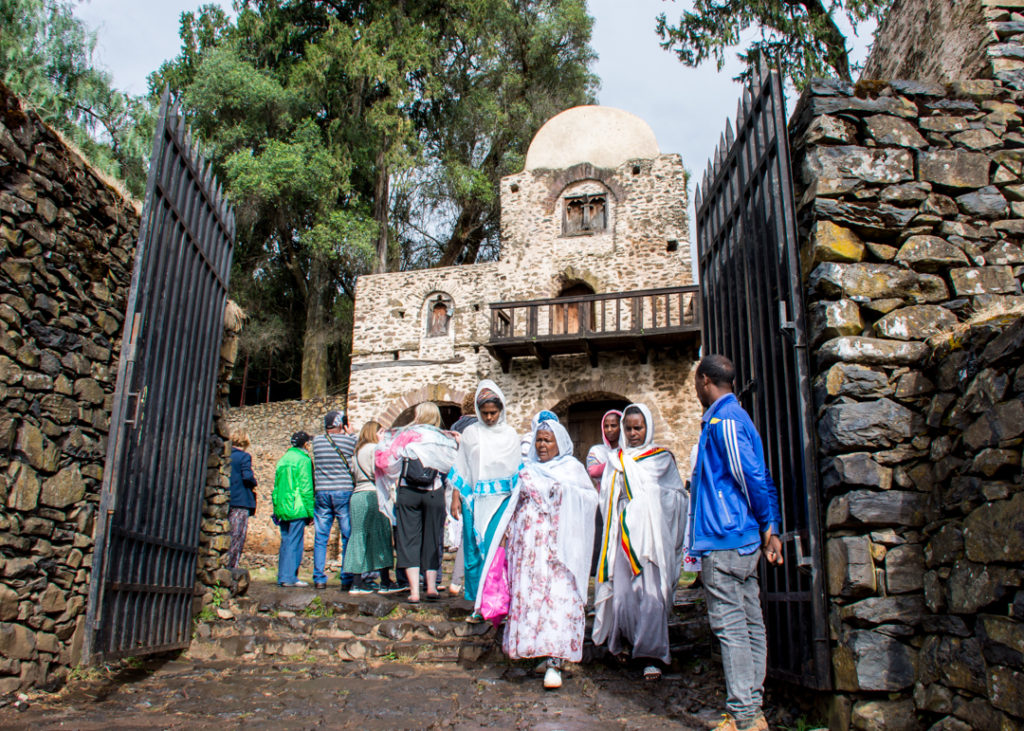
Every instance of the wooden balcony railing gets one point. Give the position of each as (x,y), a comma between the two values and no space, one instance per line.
(592,323)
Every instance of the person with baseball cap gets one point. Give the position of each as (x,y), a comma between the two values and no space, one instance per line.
(334,481)
(293,507)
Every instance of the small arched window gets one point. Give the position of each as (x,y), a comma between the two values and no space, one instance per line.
(439,312)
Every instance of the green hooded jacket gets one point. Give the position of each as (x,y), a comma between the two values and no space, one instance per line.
(293,486)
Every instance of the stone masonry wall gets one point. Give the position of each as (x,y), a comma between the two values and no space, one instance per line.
(66,242)
(270,426)
(646,245)
(911,214)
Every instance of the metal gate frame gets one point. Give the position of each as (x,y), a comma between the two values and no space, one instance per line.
(753,312)
(148,526)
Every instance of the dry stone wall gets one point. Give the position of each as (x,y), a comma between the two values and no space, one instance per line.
(67,240)
(911,218)
(270,426)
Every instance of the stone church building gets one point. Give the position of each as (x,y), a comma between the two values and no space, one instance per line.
(591,306)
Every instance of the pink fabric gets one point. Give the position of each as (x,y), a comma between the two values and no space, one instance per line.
(596,470)
(495,595)
(384,457)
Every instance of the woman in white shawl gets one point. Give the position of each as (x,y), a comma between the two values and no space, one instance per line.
(483,476)
(644,507)
(547,543)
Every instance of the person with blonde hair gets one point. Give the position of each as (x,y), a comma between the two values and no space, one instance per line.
(369,544)
(243,495)
(419,497)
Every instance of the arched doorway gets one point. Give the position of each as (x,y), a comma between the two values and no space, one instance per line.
(449,414)
(582,419)
(572,317)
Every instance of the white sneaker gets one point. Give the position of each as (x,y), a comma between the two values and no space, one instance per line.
(652,672)
(552,679)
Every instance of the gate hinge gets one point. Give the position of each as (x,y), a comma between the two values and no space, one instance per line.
(804,561)
(789,326)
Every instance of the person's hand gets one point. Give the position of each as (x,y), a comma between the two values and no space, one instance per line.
(772,547)
(456,506)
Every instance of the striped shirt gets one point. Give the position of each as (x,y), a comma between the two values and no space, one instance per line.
(329,470)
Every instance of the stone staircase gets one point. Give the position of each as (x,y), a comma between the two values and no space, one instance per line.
(306,625)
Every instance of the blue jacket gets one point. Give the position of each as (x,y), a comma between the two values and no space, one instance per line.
(243,481)
(734,498)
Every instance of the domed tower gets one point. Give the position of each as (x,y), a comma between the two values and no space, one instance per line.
(591,306)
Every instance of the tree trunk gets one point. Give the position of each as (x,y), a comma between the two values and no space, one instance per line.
(835,41)
(314,341)
(380,210)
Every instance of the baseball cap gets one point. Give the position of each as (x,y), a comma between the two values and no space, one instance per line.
(300,438)
(334,419)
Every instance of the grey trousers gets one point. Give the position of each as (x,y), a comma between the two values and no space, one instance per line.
(734,612)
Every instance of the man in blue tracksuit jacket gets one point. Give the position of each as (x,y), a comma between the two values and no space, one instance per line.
(734,518)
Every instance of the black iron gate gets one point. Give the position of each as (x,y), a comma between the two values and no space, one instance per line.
(753,313)
(147,536)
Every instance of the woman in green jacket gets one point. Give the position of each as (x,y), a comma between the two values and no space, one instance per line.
(293,507)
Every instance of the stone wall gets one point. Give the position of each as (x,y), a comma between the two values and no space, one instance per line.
(911,218)
(270,426)
(67,238)
(396,365)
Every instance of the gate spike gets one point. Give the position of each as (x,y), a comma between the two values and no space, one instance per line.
(722,150)
(762,68)
(696,197)
(740,117)
(748,101)
(729,138)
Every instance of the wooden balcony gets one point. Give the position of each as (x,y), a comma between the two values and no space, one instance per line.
(633,321)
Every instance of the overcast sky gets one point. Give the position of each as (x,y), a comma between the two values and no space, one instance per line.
(685,107)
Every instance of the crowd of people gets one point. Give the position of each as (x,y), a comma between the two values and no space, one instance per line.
(532,525)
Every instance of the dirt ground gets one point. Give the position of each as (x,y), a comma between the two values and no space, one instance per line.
(175,694)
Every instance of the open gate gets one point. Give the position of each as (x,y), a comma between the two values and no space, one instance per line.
(147,535)
(753,313)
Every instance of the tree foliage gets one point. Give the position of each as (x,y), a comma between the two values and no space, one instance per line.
(46,58)
(366,135)
(801,37)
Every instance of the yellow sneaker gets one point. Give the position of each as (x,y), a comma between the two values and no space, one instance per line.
(728,723)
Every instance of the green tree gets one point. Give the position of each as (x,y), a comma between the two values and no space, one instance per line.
(368,135)
(801,37)
(46,58)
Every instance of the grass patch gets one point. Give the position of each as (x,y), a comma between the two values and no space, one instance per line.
(317,608)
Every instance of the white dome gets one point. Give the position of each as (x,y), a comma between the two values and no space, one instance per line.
(603,136)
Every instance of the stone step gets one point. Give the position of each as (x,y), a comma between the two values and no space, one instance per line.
(291,624)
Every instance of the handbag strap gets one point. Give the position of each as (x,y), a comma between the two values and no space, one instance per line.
(340,454)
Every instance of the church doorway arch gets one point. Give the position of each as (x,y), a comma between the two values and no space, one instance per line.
(450,412)
(572,317)
(581,416)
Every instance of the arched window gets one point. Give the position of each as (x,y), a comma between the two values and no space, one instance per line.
(572,317)
(439,312)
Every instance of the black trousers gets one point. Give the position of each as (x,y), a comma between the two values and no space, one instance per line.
(420,530)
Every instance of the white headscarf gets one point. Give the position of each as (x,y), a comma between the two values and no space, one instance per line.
(486,453)
(651,538)
(578,504)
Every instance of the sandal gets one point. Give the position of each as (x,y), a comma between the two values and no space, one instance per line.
(410,600)
(474,618)
(432,597)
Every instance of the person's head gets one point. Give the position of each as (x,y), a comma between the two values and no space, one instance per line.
(240,439)
(634,426)
(610,427)
(300,439)
(368,434)
(714,378)
(489,406)
(427,413)
(545,443)
(335,421)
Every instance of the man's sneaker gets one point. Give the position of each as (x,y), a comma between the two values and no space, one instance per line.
(652,672)
(319,584)
(552,679)
(361,589)
(391,588)
(296,583)
(728,723)
(345,588)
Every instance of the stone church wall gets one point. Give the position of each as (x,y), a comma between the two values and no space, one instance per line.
(911,218)
(67,240)
(646,245)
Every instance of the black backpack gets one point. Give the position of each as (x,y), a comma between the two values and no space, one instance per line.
(414,474)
